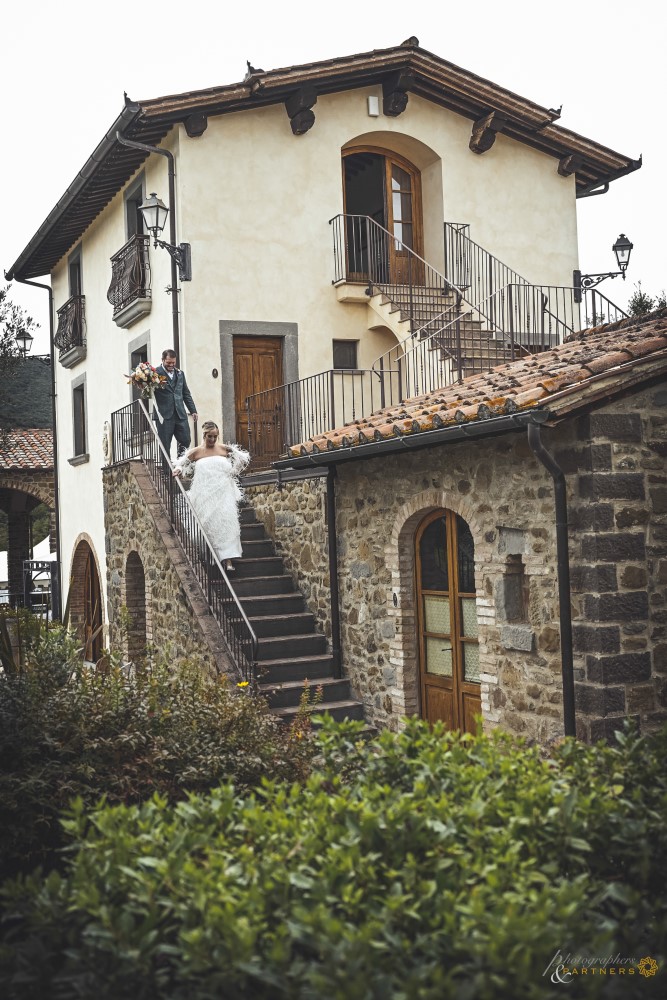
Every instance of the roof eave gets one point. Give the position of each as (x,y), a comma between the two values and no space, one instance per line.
(424,439)
(21,267)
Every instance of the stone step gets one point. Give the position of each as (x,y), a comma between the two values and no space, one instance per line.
(268,626)
(262,586)
(338,710)
(296,668)
(289,693)
(256,548)
(262,566)
(253,530)
(261,605)
(288,646)
(247,515)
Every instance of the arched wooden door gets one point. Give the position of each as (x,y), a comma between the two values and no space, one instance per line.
(92,603)
(447,614)
(387,188)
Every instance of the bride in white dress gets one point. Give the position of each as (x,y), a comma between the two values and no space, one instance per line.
(215,492)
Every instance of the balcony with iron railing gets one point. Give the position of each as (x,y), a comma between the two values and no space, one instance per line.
(130,289)
(134,436)
(70,335)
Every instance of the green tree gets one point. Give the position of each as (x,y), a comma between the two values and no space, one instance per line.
(14,321)
(641,303)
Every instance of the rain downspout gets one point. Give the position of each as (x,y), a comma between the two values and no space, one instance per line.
(563,562)
(333,569)
(56,599)
(172,227)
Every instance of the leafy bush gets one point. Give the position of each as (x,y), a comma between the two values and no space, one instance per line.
(641,303)
(67,730)
(444,867)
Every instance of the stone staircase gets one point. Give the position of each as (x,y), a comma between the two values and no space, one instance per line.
(391,307)
(291,650)
(432,309)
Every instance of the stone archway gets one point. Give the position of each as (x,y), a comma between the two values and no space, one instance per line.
(135,602)
(85,600)
(19,496)
(400,559)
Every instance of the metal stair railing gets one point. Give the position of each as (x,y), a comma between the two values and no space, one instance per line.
(538,314)
(287,414)
(366,251)
(472,267)
(134,435)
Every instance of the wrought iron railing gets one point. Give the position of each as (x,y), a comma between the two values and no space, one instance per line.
(598,309)
(134,435)
(366,251)
(130,273)
(287,414)
(71,329)
(537,313)
(472,268)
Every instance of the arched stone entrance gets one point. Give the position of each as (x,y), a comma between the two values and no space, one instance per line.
(448,631)
(19,496)
(85,601)
(401,559)
(135,602)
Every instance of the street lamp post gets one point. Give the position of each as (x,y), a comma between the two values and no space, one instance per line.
(155,213)
(24,342)
(622,249)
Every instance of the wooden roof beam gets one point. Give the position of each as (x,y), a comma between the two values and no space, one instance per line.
(484,131)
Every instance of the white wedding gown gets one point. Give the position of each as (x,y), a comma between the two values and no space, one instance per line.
(215,495)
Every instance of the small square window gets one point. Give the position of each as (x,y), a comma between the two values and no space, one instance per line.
(345,354)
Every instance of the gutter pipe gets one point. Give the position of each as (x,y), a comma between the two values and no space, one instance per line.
(172,226)
(56,599)
(563,561)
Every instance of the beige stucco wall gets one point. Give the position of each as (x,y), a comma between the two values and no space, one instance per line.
(255,201)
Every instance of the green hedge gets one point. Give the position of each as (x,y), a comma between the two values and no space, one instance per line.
(67,730)
(423,866)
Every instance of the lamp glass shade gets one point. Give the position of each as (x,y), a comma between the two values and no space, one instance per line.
(155,214)
(622,248)
(24,341)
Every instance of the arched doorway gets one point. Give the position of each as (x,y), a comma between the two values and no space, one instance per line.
(86,601)
(387,188)
(449,672)
(135,601)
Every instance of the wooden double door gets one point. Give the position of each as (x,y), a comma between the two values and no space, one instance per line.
(258,368)
(449,670)
(386,188)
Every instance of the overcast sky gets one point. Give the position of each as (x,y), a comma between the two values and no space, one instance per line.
(64,67)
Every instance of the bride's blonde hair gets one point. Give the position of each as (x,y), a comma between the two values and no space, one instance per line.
(208,425)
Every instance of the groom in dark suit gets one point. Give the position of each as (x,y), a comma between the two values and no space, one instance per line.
(171,401)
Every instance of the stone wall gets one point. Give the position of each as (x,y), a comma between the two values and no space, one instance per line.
(506,498)
(178,620)
(295,517)
(614,460)
(618,549)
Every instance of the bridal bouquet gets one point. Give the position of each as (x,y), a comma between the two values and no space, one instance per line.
(146,379)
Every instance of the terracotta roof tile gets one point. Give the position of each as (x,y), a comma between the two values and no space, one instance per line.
(540,381)
(27,449)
